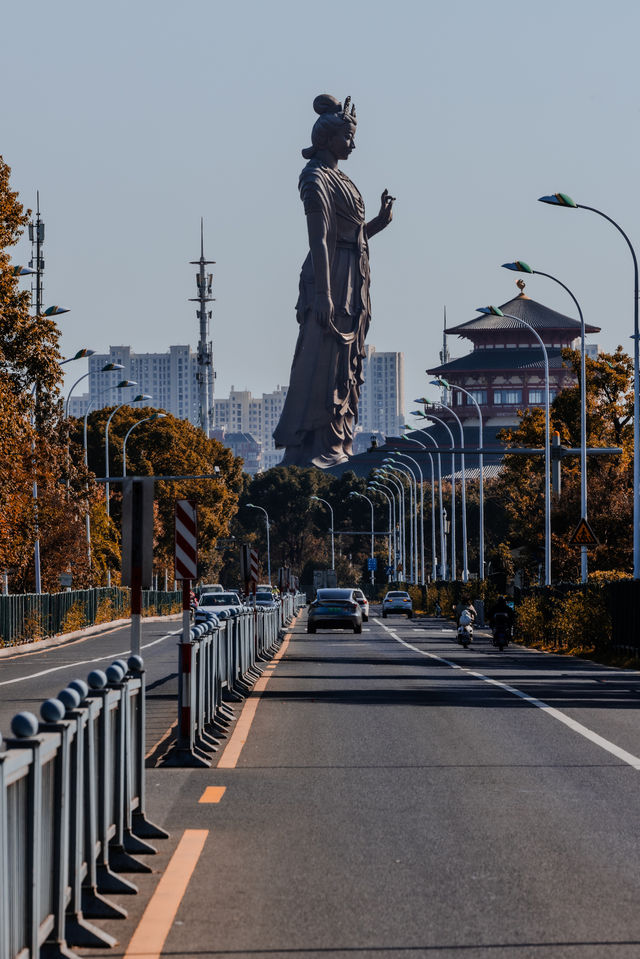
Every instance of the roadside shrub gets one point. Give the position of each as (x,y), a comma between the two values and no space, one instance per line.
(581,621)
(74,619)
(33,626)
(107,611)
(530,621)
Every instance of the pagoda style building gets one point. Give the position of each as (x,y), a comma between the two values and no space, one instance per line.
(505,370)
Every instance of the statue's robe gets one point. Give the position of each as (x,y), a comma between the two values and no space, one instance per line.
(321,408)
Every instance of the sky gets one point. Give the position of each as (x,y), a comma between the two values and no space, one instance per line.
(135,119)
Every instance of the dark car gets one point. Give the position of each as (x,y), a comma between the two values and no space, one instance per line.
(334,609)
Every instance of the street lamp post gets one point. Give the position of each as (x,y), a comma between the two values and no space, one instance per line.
(380,488)
(403,470)
(519,266)
(147,419)
(266,516)
(354,493)
(562,199)
(495,311)
(419,541)
(449,386)
(329,507)
(434,558)
(399,527)
(465,545)
(136,399)
(107,368)
(438,419)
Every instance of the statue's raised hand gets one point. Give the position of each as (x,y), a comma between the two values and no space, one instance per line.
(323,309)
(386,212)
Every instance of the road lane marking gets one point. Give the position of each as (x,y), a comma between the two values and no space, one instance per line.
(87,662)
(231,755)
(617,751)
(213,794)
(149,938)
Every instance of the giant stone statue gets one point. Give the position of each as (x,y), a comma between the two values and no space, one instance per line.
(333,309)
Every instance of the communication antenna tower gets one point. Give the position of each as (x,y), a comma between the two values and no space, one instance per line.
(205,374)
(36,235)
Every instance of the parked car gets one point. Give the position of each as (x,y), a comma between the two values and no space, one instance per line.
(334,609)
(221,605)
(210,588)
(363,602)
(263,598)
(397,601)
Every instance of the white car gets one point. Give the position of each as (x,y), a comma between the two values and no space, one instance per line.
(363,602)
(210,588)
(397,601)
(221,605)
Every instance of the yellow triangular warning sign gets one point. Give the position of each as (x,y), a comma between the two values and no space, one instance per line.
(583,535)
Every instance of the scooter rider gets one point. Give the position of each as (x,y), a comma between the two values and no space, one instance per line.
(469,607)
(500,610)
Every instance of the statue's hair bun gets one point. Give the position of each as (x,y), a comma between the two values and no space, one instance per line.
(325,103)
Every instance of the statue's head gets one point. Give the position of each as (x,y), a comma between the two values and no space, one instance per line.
(334,121)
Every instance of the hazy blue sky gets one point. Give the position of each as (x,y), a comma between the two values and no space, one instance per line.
(136,118)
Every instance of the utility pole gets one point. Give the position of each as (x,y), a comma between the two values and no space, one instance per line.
(205,375)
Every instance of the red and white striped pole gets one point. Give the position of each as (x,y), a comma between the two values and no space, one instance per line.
(186,550)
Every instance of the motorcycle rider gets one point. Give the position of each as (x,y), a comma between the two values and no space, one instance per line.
(501,616)
(501,609)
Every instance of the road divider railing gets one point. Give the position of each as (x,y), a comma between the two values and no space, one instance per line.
(72,813)
(218,666)
(28,616)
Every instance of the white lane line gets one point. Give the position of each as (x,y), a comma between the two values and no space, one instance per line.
(610,747)
(87,662)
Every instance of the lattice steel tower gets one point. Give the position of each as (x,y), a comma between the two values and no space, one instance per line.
(205,374)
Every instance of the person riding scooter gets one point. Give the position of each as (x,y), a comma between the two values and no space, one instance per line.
(501,621)
(466,618)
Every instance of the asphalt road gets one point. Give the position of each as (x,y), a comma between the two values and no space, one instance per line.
(29,675)
(397,796)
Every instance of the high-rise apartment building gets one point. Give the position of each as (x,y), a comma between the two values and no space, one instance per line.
(241,412)
(381,406)
(171,378)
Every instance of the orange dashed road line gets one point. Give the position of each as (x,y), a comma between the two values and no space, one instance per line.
(213,794)
(149,938)
(231,754)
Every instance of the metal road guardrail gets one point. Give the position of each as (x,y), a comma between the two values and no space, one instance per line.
(25,615)
(218,663)
(72,813)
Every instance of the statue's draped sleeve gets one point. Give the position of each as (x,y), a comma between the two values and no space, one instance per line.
(316,198)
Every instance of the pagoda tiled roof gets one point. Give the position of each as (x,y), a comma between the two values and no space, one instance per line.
(540,317)
(506,359)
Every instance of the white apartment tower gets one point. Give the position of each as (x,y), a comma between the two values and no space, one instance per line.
(171,378)
(381,406)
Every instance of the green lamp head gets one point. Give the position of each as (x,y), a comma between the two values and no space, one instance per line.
(558,199)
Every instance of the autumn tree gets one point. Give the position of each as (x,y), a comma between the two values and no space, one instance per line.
(520,489)
(165,446)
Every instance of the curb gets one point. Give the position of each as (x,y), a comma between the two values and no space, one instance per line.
(60,640)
